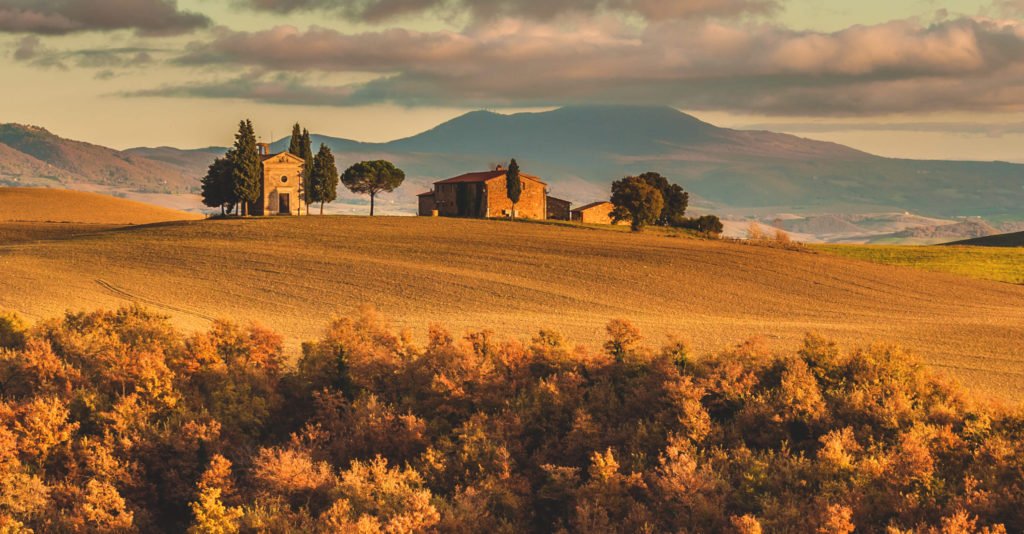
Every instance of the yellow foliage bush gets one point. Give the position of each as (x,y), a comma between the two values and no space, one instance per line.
(117,422)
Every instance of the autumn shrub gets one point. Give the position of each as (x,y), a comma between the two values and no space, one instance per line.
(117,422)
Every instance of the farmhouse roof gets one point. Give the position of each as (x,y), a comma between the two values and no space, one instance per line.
(592,205)
(265,157)
(427,194)
(476,177)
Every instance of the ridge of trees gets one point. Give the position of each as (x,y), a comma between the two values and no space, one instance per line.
(118,422)
(649,199)
(235,180)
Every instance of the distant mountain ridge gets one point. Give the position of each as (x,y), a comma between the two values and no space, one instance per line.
(31,155)
(580,150)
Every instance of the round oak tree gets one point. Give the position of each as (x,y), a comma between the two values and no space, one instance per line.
(676,199)
(637,201)
(372,178)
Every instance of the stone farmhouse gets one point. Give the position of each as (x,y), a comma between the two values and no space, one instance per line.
(483,195)
(281,190)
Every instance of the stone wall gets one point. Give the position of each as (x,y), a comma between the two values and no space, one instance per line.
(532,202)
(427,205)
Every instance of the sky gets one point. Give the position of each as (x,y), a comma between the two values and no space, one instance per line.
(900,78)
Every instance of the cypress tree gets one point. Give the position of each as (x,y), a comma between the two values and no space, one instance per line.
(306,153)
(217,190)
(295,146)
(323,178)
(513,185)
(246,174)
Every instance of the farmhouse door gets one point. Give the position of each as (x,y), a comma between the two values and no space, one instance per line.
(285,201)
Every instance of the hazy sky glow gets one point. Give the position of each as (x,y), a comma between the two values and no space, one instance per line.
(912,78)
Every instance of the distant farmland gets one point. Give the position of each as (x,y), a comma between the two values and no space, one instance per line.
(986,263)
(295,273)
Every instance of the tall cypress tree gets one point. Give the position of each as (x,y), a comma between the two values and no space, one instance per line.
(306,153)
(295,147)
(247,174)
(323,178)
(513,185)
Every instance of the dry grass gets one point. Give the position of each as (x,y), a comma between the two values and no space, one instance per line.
(24,204)
(294,274)
(1003,264)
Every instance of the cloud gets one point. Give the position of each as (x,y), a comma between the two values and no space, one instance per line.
(902,66)
(28,48)
(280,88)
(375,11)
(57,17)
(31,50)
(989,129)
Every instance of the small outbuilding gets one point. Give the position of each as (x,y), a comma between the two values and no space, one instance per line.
(558,209)
(427,206)
(594,213)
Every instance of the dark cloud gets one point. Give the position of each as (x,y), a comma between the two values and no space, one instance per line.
(28,48)
(56,17)
(485,10)
(902,66)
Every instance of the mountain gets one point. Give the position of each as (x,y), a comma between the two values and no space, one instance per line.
(32,155)
(193,162)
(580,150)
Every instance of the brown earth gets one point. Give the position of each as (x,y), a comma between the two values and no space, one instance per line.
(25,204)
(293,274)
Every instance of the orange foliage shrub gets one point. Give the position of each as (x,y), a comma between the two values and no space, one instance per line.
(116,422)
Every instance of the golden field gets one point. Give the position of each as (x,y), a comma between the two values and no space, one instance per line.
(26,204)
(293,274)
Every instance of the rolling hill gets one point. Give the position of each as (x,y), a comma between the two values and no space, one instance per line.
(293,274)
(1015,239)
(27,205)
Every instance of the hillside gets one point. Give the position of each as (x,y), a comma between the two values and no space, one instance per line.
(1015,239)
(73,162)
(23,204)
(293,274)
